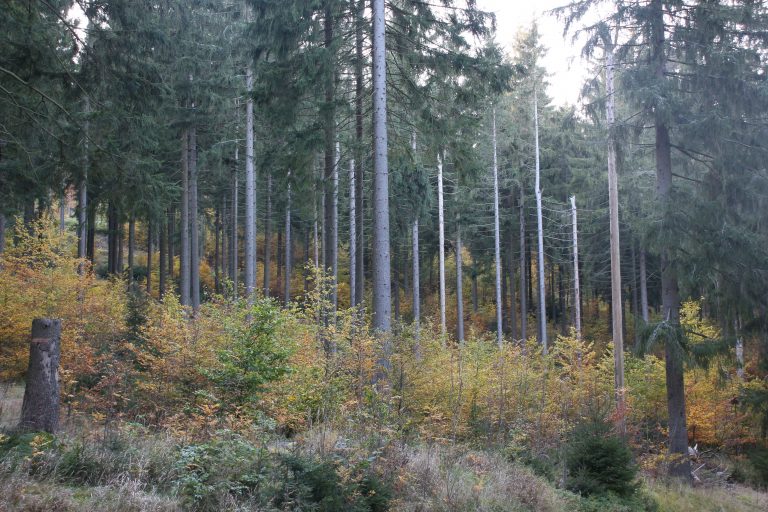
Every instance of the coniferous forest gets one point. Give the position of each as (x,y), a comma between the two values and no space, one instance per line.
(350,255)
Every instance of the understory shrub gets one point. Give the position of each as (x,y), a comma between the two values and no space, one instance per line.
(599,462)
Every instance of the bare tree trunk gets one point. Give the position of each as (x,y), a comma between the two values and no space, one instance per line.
(576,286)
(359,142)
(382,284)
(396,284)
(335,226)
(441,243)
(149,256)
(131,247)
(164,255)
(512,290)
(635,301)
(82,228)
(352,237)
(613,200)
(459,286)
(250,194)
(739,348)
(643,287)
(184,262)
(475,305)
(40,408)
(120,236)
(416,278)
(542,316)
(523,274)
(288,244)
(194,236)
(62,211)
(234,269)
(171,251)
(268,236)
(678,430)
(2,236)
(216,250)
(497,238)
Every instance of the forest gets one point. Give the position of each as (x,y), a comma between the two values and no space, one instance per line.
(326,255)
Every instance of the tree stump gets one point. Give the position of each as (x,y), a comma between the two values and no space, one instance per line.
(40,408)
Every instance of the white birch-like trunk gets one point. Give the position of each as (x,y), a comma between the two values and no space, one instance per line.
(441,243)
(576,287)
(382,280)
(540,228)
(250,193)
(613,207)
(497,238)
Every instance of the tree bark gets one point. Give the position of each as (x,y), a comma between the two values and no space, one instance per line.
(576,284)
(416,277)
(268,236)
(497,238)
(441,243)
(512,289)
(194,235)
(288,245)
(459,287)
(234,269)
(149,256)
(2,237)
(82,231)
(382,284)
(352,236)
(524,286)
(613,201)
(163,246)
(359,175)
(250,194)
(40,407)
(184,260)
(678,431)
(170,221)
(643,287)
(542,316)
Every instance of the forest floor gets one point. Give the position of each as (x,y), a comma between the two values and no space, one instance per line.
(125,467)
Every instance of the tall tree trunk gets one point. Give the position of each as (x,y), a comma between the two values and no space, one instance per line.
(149,256)
(194,232)
(184,260)
(459,286)
(635,300)
(524,282)
(234,269)
(90,249)
(416,277)
(643,287)
(359,144)
(678,431)
(561,302)
(352,236)
(475,305)
(216,250)
(330,168)
(542,315)
(576,284)
(739,347)
(396,284)
(497,238)
(62,212)
(382,284)
(163,246)
(512,289)
(82,231)
(441,243)
(335,226)
(120,236)
(288,244)
(268,236)
(2,237)
(170,221)
(280,259)
(131,247)
(40,407)
(250,194)
(613,201)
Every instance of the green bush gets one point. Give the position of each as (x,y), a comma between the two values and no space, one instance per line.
(599,463)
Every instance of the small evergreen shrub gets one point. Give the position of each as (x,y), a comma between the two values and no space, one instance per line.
(598,462)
